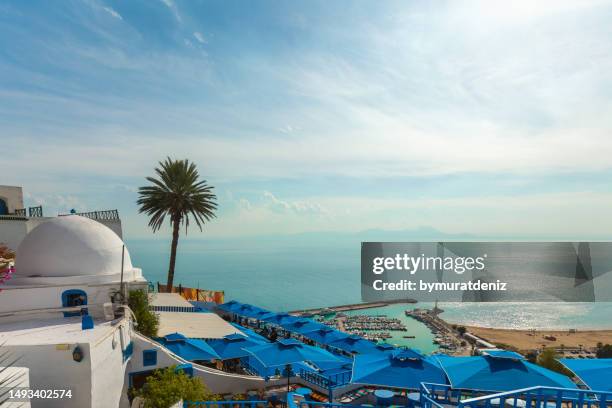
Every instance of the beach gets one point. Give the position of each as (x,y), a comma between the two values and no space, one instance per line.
(529,339)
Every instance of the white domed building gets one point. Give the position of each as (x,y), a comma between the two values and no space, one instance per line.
(59,313)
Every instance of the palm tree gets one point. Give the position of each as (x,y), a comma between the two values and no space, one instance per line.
(179,194)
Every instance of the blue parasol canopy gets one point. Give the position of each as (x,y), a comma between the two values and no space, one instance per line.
(488,373)
(250,311)
(288,351)
(279,318)
(503,354)
(354,344)
(399,369)
(594,373)
(229,306)
(189,349)
(233,345)
(251,333)
(325,335)
(302,326)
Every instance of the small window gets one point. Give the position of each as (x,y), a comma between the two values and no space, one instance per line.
(149,357)
(72,298)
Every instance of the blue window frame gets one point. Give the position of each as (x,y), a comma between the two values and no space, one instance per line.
(73,297)
(3,207)
(149,357)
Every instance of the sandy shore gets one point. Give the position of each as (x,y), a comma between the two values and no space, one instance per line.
(528,340)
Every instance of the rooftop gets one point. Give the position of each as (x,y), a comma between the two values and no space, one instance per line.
(194,325)
(52,330)
(168,299)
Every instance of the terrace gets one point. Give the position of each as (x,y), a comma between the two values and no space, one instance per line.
(324,368)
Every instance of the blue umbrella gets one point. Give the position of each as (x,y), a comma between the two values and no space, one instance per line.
(279,318)
(286,352)
(250,333)
(189,349)
(399,369)
(594,373)
(233,345)
(325,335)
(249,311)
(302,326)
(230,306)
(488,373)
(289,351)
(354,344)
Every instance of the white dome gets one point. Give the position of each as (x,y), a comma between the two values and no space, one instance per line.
(70,246)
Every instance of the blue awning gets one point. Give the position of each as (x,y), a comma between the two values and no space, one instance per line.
(302,325)
(404,369)
(288,351)
(325,335)
(594,373)
(354,344)
(498,374)
(233,345)
(230,306)
(279,318)
(502,354)
(250,333)
(189,349)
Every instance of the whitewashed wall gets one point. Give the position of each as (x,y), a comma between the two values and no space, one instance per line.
(108,371)
(53,368)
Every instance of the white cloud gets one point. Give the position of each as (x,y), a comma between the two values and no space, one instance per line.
(112,12)
(200,37)
(299,206)
(173,7)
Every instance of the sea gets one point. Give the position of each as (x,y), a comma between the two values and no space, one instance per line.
(310,272)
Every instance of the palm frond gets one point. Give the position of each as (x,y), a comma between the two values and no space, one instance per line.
(177,193)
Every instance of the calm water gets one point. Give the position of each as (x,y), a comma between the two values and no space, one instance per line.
(293,274)
(423,338)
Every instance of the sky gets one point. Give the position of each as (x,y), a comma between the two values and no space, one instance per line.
(476,117)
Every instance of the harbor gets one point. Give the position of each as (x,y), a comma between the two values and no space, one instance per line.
(327,311)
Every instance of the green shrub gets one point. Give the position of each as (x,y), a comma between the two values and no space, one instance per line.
(165,387)
(148,322)
(604,350)
(548,359)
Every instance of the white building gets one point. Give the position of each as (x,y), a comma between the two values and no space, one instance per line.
(64,265)
(16,221)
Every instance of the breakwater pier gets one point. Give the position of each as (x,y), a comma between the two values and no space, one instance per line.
(346,308)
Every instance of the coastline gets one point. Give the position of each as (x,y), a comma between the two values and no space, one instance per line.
(536,339)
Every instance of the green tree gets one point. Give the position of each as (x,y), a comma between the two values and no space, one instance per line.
(548,359)
(461,330)
(604,350)
(179,194)
(167,386)
(148,322)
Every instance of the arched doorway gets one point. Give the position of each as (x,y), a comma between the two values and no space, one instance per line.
(3,207)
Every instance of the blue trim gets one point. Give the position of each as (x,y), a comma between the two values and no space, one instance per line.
(3,207)
(130,375)
(70,292)
(127,353)
(149,357)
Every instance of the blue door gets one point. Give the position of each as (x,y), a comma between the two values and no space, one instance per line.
(3,207)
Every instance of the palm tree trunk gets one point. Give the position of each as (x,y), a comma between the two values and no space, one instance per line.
(175,237)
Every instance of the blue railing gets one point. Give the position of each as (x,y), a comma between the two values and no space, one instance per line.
(542,397)
(433,395)
(225,404)
(334,380)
